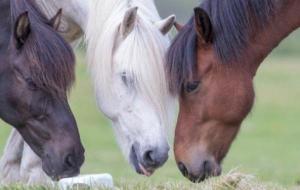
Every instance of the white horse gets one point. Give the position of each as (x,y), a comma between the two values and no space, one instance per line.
(127,43)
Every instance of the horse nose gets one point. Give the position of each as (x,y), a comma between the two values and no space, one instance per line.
(70,161)
(154,158)
(207,169)
(74,161)
(183,169)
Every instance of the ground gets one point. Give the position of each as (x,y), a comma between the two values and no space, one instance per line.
(267,147)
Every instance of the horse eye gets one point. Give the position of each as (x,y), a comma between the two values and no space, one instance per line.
(41,117)
(192,86)
(126,79)
(32,85)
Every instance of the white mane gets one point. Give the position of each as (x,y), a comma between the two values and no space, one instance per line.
(143,50)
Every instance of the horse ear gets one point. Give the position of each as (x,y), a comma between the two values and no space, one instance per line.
(129,21)
(22,29)
(56,20)
(178,26)
(166,24)
(203,26)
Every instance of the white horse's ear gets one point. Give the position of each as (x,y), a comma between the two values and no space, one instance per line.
(166,24)
(56,19)
(129,21)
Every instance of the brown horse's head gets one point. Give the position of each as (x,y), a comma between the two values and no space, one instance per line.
(38,74)
(214,99)
(212,63)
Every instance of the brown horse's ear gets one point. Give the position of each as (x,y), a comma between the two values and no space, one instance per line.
(22,29)
(56,20)
(178,26)
(203,26)
(129,21)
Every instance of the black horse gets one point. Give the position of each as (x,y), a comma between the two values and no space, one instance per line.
(36,72)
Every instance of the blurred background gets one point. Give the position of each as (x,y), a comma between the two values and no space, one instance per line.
(268,145)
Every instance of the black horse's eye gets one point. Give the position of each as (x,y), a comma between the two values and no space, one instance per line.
(191,86)
(41,117)
(32,85)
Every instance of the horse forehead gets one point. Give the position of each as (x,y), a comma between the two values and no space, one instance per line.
(139,49)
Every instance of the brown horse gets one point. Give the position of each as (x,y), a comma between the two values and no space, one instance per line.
(212,63)
(36,72)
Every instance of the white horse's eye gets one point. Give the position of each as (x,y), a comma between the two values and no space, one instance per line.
(124,78)
(127,80)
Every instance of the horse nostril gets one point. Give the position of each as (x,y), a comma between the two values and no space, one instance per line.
(70,161)
(149,158)
(183,169)
(207,169)
(155,158)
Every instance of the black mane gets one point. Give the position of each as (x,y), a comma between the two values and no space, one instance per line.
(233,21)
(51,58)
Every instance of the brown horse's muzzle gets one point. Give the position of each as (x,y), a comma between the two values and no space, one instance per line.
(204,169)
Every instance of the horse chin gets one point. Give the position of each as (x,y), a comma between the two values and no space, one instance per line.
(138,166)
(48,169)
(146,172)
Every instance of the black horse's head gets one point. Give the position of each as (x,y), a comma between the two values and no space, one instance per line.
(33,91)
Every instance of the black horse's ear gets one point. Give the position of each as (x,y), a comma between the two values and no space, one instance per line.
(56,20)
(203,26)
(22,29)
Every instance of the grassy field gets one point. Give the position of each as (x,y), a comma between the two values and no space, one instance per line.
(267,147)
(229,181)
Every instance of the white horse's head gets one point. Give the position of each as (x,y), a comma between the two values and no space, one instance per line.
(128,67)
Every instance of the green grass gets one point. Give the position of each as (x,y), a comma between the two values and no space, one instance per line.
(231,181)
(267,147)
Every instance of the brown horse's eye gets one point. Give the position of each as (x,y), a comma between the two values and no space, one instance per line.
(191,86)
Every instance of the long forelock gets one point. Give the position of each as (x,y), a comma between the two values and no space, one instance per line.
(181,58)
(51,61)
(50,58)
(143,55)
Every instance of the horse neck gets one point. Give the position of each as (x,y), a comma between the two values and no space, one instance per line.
(280,26)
